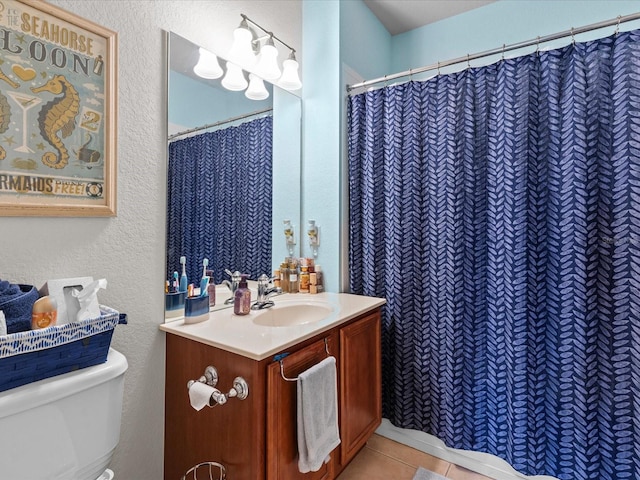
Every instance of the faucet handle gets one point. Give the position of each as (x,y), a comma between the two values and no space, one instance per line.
(234,275)
(265,280)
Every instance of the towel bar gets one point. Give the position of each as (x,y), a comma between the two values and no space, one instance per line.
(281,360)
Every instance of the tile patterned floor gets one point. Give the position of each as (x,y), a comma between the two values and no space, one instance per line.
(383,459)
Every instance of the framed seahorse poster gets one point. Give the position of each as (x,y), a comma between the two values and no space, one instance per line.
(57,112)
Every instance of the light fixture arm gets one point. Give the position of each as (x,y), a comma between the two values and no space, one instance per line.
(267,32)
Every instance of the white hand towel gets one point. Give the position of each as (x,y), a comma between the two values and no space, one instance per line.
(199,395)
(318,431)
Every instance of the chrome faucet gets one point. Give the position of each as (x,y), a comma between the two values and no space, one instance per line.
(232,285)
(264,292)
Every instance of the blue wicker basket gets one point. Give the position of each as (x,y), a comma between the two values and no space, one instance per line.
(30,356)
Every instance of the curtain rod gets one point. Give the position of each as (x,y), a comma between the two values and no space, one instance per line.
(222,122)
(505,48)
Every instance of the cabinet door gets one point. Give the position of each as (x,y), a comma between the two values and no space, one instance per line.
(232,434)
(360,384)
(282,440)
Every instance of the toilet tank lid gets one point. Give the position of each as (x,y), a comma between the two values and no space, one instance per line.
(51,389)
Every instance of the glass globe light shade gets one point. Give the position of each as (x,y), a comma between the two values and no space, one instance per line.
(234,79)
(241,52)
(256,90)
(290,79)
(208,66)
(267,66)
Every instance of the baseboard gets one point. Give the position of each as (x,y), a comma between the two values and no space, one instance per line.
(483,463)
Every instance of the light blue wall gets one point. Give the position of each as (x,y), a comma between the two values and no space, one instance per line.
(503,22)
(321,93)
(193,104)
(365,44)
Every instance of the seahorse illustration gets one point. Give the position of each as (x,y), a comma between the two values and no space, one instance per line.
(59,115)
(5,111)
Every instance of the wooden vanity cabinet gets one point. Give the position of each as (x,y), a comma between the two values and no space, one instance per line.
(360,391)
(256,438)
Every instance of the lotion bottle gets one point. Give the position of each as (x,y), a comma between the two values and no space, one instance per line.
(242,299)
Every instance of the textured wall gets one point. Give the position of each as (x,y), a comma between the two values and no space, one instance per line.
(128,250)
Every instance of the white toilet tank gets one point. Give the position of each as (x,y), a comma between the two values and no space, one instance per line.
(64,427)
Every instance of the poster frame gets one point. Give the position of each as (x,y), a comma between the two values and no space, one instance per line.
(98,199)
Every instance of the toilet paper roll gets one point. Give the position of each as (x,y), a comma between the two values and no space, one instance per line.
(199,395)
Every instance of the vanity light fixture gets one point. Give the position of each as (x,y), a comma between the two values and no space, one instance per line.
(256,89)
(208,66)
(258,59)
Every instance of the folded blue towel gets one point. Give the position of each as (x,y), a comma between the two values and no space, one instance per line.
(16,301)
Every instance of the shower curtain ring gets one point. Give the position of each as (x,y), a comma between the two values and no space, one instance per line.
(538,45)
(411,74)
(438,68)
(503,47)
(573,38)
(468,64)
(617,27)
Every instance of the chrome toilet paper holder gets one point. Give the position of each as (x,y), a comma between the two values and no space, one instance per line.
(240,389)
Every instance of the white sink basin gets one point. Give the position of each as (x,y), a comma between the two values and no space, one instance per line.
(289,313)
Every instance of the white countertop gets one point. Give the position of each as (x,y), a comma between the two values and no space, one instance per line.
(239,334)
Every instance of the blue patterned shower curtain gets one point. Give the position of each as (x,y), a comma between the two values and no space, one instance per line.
(498,211)
(220,201)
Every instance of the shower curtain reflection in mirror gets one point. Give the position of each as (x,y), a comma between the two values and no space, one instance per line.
(219,202)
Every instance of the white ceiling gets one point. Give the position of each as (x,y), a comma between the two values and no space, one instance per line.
(399,16)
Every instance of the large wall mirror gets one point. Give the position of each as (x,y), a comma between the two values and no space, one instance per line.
(233,174)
